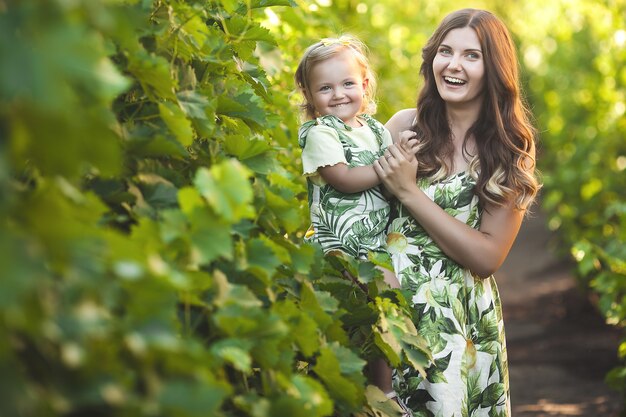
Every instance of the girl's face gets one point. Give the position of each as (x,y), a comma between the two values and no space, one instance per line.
(337,87)
(459,68)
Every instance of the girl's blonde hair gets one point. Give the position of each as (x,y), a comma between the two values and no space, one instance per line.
(326,49)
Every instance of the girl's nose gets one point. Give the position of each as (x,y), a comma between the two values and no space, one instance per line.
(339,92)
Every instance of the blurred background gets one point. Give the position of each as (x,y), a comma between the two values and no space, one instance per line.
(120,119)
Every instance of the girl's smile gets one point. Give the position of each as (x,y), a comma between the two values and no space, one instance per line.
(337,86)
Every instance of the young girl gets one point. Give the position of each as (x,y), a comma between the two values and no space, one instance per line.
(340,142)
(457,221)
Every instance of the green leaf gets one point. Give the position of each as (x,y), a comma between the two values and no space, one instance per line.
(349,362)
(302,258)
(262,256)
(244,148)
(175,119)
(310,304)
(380,404)
(245,106)
(173,226)
(154,144)
(246,30)
(229,5)
(210,237)
(381,259)
(194,105)
(396,336)
(227,189)
(199,105)
(313,396)
(287,215)
(189,199)
(303,328)
(152,72)
(234,351)
(270,3)
(158,192)
(193,399)
(328,369)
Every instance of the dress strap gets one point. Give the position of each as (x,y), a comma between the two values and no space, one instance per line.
(375,126)
(329,120)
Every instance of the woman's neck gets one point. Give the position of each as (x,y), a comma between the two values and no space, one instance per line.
(461,119)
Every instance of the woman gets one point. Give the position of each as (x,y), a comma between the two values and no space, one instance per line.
(455,225)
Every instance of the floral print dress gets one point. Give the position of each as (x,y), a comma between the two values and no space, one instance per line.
(457,312)
(353,223)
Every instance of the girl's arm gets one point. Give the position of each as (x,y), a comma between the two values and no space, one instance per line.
(349,180)
(352,180)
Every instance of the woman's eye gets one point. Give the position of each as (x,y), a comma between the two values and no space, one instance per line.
(445,51)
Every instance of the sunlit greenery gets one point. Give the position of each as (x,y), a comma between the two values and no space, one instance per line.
(152,204)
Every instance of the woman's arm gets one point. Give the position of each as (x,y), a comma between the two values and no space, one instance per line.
(482,251)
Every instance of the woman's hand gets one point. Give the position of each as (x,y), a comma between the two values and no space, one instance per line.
(397,168)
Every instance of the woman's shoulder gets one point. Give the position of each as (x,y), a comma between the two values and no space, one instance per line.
(402,120)
(408,113)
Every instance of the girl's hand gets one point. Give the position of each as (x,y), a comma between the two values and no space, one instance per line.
(397,168)
(407,139)
(408,143)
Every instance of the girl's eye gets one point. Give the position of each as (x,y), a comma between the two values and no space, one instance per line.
(349,83)
(324,88)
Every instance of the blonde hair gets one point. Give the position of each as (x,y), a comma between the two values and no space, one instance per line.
(328,48)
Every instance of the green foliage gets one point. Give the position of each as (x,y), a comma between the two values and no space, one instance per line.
(577,82)
(152,204)
(153,212)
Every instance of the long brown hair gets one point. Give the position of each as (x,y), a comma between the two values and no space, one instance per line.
(504,135)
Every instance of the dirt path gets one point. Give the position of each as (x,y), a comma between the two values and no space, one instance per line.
(559,347)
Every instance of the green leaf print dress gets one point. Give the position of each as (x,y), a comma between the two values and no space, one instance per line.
(352,223)
(458,313)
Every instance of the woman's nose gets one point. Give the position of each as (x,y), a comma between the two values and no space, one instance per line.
(455,63)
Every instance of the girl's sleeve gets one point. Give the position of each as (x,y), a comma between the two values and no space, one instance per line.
(322,148)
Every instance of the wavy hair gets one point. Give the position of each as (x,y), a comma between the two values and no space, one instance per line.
(504,166)
(326,49)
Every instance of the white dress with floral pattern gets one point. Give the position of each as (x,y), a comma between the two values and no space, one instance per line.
(457,312)
(352,223)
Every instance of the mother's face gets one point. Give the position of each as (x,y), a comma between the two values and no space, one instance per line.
(459,69)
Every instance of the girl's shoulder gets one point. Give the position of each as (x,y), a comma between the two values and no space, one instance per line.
(326,123)
(371,121)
